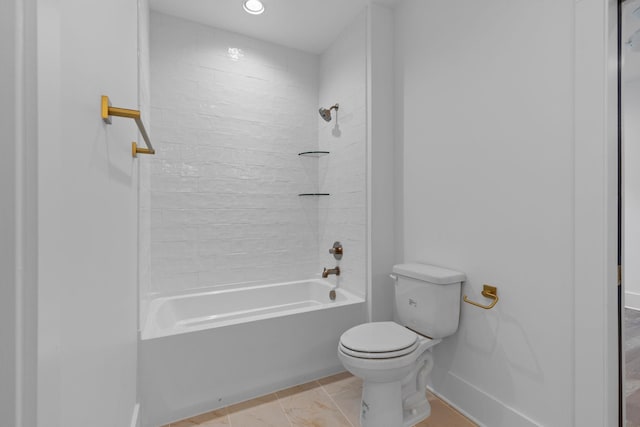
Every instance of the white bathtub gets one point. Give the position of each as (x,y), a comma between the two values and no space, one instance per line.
(207,350)
(212,309)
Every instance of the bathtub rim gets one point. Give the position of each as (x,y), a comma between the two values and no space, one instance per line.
(149,330)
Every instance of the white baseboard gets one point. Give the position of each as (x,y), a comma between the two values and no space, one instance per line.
(135,417)
(632,300)
(488,410)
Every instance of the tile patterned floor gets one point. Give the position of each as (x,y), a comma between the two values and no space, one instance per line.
(632,366)
(330,402)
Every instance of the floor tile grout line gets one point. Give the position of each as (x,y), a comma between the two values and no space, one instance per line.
(226,414)
(226,408)
(282,407)
(337,406)
(631,349)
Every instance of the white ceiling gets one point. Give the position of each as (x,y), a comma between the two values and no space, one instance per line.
(309,25)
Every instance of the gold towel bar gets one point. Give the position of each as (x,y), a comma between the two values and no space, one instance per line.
(107,111)
(488,291)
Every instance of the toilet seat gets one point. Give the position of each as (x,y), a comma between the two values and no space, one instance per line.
(378,340)
(373,355)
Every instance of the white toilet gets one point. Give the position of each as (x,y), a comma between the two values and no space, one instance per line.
(394,358)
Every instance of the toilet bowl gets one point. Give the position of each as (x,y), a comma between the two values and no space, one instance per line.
(393,368)
(394,360)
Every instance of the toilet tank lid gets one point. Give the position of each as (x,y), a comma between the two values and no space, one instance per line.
(429,273)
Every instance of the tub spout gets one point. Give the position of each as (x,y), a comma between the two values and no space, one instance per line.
(327,271)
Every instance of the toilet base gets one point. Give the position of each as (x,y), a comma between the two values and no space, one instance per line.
(377,410)
(417,413)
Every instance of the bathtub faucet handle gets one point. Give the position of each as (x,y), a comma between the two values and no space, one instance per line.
(327,271)
(336,250)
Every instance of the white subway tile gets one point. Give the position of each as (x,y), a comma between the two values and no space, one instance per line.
(224,205)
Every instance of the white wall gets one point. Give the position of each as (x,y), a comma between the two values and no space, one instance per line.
(87,214)
(631,141)
(144,191)
(343,214)
(144,166)
(382,158)
(8,221)
(224,188)
(487,124)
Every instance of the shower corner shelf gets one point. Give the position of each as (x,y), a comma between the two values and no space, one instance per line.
(313,194)
(313,153)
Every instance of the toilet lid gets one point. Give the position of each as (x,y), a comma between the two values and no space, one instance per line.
(378,337)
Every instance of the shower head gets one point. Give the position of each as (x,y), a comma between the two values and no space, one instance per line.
(325,113)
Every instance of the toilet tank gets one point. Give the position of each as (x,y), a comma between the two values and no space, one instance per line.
(428,298)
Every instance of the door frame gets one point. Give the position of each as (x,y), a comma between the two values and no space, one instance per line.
(621,356)
(596,354)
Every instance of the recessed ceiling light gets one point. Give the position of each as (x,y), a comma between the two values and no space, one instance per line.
(254,7)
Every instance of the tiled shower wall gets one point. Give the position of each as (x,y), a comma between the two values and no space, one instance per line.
(229,116)
(343,215)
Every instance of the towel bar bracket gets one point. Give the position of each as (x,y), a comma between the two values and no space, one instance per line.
(135,150)
(106,111)
(105,104)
